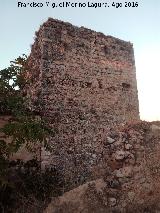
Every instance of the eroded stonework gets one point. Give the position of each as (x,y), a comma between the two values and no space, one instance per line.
(84,83)
(130,180)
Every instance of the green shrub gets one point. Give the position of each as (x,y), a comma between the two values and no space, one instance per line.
(23,128)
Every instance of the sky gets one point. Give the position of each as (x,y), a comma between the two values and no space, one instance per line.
(140,25)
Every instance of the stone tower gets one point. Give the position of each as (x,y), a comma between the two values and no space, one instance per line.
(86,85)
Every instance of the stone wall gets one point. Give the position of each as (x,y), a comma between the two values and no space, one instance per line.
(84,83)
(130,180)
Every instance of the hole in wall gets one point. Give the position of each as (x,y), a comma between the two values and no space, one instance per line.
(106,50)
(100,84)
(88,84)
(126,86)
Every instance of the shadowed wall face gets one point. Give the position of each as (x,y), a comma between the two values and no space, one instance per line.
(86,84)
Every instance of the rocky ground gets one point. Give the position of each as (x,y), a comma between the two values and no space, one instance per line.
(128,178)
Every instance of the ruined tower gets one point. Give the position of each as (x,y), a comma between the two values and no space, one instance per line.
(85,83)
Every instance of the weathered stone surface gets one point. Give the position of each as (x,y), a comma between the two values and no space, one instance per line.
(112,201)
(84,83)
(120,155)
(129,188)
(110,140)
(128,146)
(124,172)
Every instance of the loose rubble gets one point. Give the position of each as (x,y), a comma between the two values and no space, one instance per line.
(125,187)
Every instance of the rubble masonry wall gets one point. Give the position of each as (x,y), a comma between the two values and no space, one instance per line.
(85,83)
